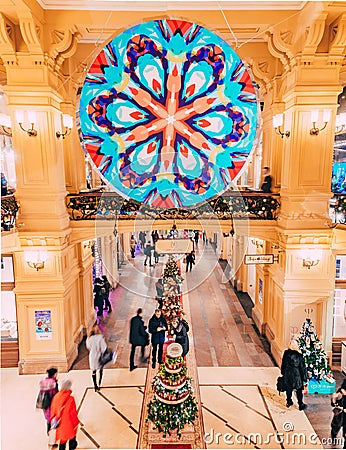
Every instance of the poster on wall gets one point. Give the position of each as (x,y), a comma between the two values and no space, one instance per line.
(260,290)
(43,325)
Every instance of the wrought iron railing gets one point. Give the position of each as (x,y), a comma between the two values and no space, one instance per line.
(9,209)
(338,208)
(107,205)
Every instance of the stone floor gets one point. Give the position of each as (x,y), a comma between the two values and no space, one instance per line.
(236,374)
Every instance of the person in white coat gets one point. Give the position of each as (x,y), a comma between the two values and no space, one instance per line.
(96,344)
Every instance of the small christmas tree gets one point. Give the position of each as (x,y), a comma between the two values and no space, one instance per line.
(316,359)
(173,406)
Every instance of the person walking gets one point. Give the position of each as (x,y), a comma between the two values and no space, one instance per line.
(180,329)
(64,413)
(196,237)
(190,260)
(107,287)
(339,420)
(157,329)
(142,239)
(98,296)
(133,244)
(48,388)
(147,252)
(138,337)
(293,370)
(96,344)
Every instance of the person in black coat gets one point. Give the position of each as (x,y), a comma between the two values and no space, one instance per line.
(190,260)
(180,327)
(107,287)
(138,337)
(339,420)
(157,329)
(268,180)
(99,292)
(293,370)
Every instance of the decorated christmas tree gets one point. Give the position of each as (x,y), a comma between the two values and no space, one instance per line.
(316,359)
(174,405)
(172,271)
(171,307)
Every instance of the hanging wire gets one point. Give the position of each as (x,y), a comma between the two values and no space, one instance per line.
(83,62)
(229,26)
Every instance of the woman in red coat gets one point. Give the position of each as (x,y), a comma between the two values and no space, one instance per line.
(64,412)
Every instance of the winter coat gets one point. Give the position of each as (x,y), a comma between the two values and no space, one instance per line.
(138,335)
(190,258)
(181,336)
(293,369)
(64,408)
(157,337)
(50,385)
(96,344)
(99,292)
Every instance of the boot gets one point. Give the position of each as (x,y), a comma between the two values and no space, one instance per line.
(95,382)
(100,378)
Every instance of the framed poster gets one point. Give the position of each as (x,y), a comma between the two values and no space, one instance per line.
(43,325)
(260,290)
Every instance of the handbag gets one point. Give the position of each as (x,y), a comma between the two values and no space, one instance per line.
(43,400)
(280,384)
(106,356)
(184,260)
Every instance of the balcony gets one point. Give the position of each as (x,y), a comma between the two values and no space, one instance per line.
(9,209)
(233,204)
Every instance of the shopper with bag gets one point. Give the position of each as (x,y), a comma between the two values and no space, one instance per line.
(294,374)
(99,355)
(48,388)
(339,410)
(64,417)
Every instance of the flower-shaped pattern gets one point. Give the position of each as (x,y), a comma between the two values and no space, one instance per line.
(168,114)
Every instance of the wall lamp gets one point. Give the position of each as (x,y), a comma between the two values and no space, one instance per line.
(35,258)
(67,122)
(257,242)
(340,123)
(31,115)
(314,131)
(310,262)
(5,125)
(278,121)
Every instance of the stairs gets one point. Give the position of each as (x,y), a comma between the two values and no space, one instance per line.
(336,351)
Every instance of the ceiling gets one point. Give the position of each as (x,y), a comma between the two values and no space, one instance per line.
(159,5)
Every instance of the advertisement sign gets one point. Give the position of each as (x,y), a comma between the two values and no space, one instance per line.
(43,325)
(259,259)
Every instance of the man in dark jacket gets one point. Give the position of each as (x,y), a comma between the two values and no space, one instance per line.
(157,329)
(138,337)
(293,370)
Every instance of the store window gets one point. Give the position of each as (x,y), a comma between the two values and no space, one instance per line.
(8,301)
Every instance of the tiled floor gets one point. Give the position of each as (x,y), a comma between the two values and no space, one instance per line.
(237,377)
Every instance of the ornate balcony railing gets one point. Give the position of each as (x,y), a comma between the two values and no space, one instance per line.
(9,209)
(338,209)
(107,205)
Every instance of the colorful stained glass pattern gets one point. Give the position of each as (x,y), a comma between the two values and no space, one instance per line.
(168,114)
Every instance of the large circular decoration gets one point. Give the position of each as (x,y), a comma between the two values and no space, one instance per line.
(168,114)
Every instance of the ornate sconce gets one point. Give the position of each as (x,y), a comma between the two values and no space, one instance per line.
(31,119)
(314,131)
(257,242)
(278,121)
(340,123)
(67,122)
(35,258)
(5,125)
(310,262)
